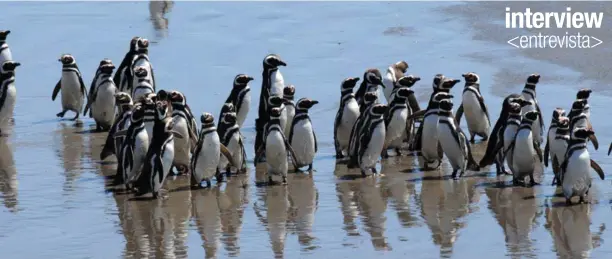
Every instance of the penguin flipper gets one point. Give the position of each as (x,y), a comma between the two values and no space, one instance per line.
(459,114)
(484,108)
(225,152)
(154,84)
(540,118)
(610,148)
(556,167)
(489,159)
(292,153)
(56,90)
(597,169)
(592,137)
(546,153)
(536,146)
(314,135)
(416,114)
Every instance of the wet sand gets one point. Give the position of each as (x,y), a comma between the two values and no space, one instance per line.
(54,188)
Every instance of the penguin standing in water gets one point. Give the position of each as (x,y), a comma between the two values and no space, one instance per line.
(207,153)
(347,114)
(529,94)
(575,177)
(395,119)
(102,98)
(579,118)
(288,94)
(8,92)
(413,104)
(276,148)
(372,138)
(558,147)
(143,86)
(371,80)
(454,142)
(394,73)
(240,97)
(124,72)
(229,133)
(134,147)
(302,137)
(98,75)
(512,125)
(271,85)
(552,133)
(72,86)
(476,111)
(142,60)
(274,102)
(113,143)
(186,125)
(5,51)
(525,150)
(363,119)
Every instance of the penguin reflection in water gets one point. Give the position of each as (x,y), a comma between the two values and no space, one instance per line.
(575,169)
(276,148)
(206,157)
(72,86)
(302,137)
(454,142)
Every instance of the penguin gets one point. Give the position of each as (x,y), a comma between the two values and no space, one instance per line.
(584,94)
(160,153)
(92,86)
(302,137)
(371,80)
(552,132)
(124,72)
(395,119)
(575,177)
(124,104)
(558,147)
(71,83)
(413,105)
(476,111)
(184,123)
(149,103)
(8,92)
(142,85)
(229,134)
(394,73)
(347,114)
(525,150)
(372,140)
(513,123)
(276,148)
(288,93)
(363,119)
(226,108)
(454,142)
(5,51)
(272,84)
(579,118)
(529,94)
(207,152)
(134,147)
(240,97)
(142,60)
(276,102)
(102,98)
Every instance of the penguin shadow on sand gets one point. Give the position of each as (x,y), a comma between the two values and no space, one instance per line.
(570,230)
(402,193)
(232,203)
(8,175)
(444,206)
(303,201)
(71,151)
(272,210)
(206,213)
(157,10)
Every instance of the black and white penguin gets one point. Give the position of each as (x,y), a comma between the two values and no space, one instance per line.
(347,114)
(454,142)
(395,119)
(575,177)
(363,119)
(149,103)
(558,147)
(240,97)
(72,86)
(579,118)
(372,138)
(371,80)
(143,85)
(93,84)
(302,137)
(509,133)
(113,143)
(413,104)
(526,153)
(8,92)
(552,133)
(288,94)
(208,151)
(272,84)
(102,98)
(142,60)
(394,73)
(229,134)
(584,94)
(529,94)
(186,125)
(124,72)
(134,147)
(476,111)
(276,148)
(5,51)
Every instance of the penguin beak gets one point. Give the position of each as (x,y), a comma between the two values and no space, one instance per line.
(282,63)
(250,78)
(355,79)
(463,75)
(59,59)
(17,64)
(456,81)
(178,135)
(313,102)
(416,79)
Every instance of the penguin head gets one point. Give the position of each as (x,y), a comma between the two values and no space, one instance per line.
(105,61)
(9,67)
(273,61)
(404,92)
(227,107)
(583,93)
(524,102)
(448,83)
(3,34)
(134,44)
(349,83)
(289,92)
(379,109)
(579,105)
(177,97)
(437,81)
(140,72)
(305,104)
(407,81)
(582,133)
(563,123)
(515,108)
(107,69)
(446,105)
(275,101)
(370,97)
(162,110)
(207,118)
(242,80)
(143,44)
(229,118)
(275,112)
(557,113)
(123,98)
(138,112)
(67,59)
(373,76)
(161,95)
(401,66)
(471,78)
(533,79)
(532,115)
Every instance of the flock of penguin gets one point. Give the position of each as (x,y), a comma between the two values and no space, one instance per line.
(152,131)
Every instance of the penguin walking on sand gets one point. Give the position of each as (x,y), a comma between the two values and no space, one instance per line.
(575,177)
(454,142)
(372,138)
(579,118)
(371,80)
(240,97)
(102,97)
(72,86)
(558,147)
(276,149)
(124,72)
(143,85)
(229,134)
(5,51)
(552,133)
(142,60)
(363,119)
(529,94)
(186,125)
(302,137)
(288,93)
(113,143)
(207,153)
(394,73)
(395,120)
(347,114)
(134,147)
(8,92)
(525,150)
(476,111)
(272,84)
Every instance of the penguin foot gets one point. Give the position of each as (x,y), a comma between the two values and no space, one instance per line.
(454,175)
(568,201)
(155,195)
(220,178)
(384,154)
(516,182)
(532,181)
(75,117)
(284,180)
(208,183)
(61,114)
(339,155)
(583,200)
(310,168)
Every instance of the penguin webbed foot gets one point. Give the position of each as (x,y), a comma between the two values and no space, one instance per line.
(384,154)
(568,201)
(583,200)
(75,117)
(532,181)
(61,114)
(219,178)
(310,168)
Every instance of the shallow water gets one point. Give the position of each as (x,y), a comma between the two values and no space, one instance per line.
(53,184)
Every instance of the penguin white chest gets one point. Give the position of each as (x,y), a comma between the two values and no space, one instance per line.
(5,54)
(475,116)
(452,148)
(149,127)
(278,84)
(144,62)
(245,106)
(142,89)
(350,113)
(276,154)
(72,98)
(235,149)
(389,82)
(429,137)
(167,158)
(141,146)
(524,154)
(374,148)
(103,108)
(537,127)
(557,149)
(181,145)
(283,118)
(7,108)
(509,134)
(303,142)
(290,109)
(208,158)
(577,180)
(396,130)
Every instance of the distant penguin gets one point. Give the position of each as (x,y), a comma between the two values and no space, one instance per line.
(8,92)
(186,125)
(229,134)
(124,73)
(207,153)
(72,86)
(102,98)
(5,51)
(272,84)
(576,180)
(363,119)
(302,136)
(371,80)
(142,85)
(395,120)
(394,73)
(526,153)
(552,132)
(134,147)
(558,147)
(94,82)
(476,111)
(529,94)
(142,60)
(347,114)
(113,143)
(240,97)
(584,94)
(454,142)
(372,140)
(288,93)
(276,148)
(579,118)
